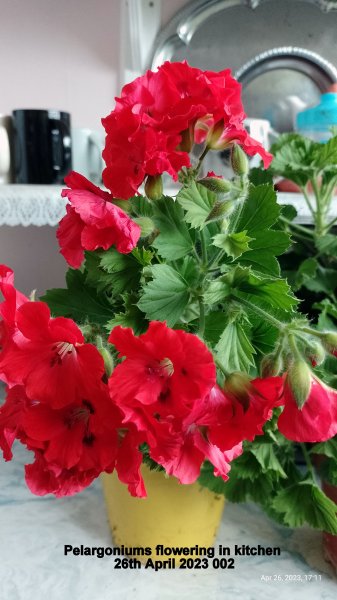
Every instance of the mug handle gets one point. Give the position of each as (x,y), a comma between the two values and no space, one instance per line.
(64,132)
(4,153)
(96,142)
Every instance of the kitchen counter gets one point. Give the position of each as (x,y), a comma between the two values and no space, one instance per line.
(34,530)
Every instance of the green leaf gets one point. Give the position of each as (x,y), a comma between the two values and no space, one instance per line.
(197,201)
(174,240)
(325,281)
(260,211)
(267,458)
(133,318)
(263,335)
(275,292)
(234,244)
(142,256)
(263,250)
(79,302)
(244,490)
(306,503)
(124,269)
(327,306)
(328,471)
(258,176)
(288,211)
(208,480)
(216,292)
(234,348)
(326,154)
(95,276)
(327,244)
(306,272)
(141,206)
(167,295)
(294,157)
(328,448)
(215,323)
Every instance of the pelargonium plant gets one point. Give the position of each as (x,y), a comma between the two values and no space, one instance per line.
(176,342)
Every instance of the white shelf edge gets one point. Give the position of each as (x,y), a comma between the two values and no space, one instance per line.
(40,205)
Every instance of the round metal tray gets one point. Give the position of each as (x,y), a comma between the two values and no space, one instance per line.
(280,82)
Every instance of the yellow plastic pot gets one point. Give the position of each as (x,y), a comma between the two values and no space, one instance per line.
(172,514)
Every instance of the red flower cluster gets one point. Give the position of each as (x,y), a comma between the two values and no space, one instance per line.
(164,394)
(161,114)
(57,404)
(166,388)
(93,221)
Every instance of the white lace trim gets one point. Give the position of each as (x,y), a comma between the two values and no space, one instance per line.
(42,205)
(31,205)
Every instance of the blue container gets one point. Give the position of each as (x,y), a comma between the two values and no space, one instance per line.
(315,122)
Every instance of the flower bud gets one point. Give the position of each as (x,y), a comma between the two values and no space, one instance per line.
(146,225)
(220,209)
(238,385)
(329,340)
(154,187)
(187,140)
(315,353)
(299,380)
(108,360)
(214,140)
(271,365)
(216,184)
(239,160)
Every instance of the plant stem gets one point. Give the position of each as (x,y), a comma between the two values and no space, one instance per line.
(201,283)
(307,199)
(307,459)
(329,225)
(215,260)
(201,158)
(201,318)
(297,227)
(221,367)
(319,217)
(312,332)
(203,248)
(293,346)
(259,311)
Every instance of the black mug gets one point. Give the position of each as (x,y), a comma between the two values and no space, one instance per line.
(42,146)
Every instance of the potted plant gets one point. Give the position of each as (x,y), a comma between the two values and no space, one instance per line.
(176,340)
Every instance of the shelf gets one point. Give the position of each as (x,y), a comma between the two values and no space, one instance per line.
(31,205)
(41,205)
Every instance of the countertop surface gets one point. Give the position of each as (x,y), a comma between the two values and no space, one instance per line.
(34,530)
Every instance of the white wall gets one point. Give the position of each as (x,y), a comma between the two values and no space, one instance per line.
(61,54)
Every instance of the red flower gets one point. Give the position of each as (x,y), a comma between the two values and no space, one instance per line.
(164,378)
(81,435)
(11,417)
(316,421)
(13,299)
(159,114)
(44,478)
(51,359)
(134,150)
(166,368)
(93,221)
(238,413)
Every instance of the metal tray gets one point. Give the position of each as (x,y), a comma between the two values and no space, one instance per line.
(244,35)
(280,82)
